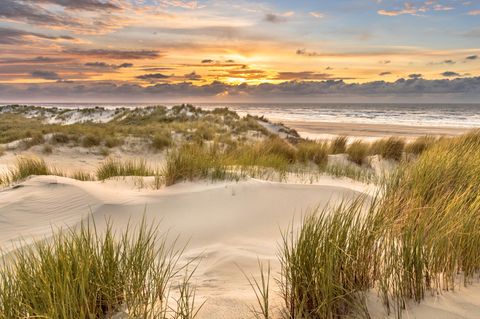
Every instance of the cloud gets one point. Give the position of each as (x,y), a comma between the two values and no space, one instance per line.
(181,4)
(208,61)
(471,57)
(89,5)
(103,65)
(305,75)
(385,62)
(153,76)
(450,74)
(116,54)
(304,52)
(449,62)
(474,12)
(385,73)
(408,8)
(316,14)
(415,76)
(16,36)
(412,9)
(46,75)
(278,18)
(193,76)
(402,89)
(82,16)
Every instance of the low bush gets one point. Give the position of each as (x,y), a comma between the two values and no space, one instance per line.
(90,141)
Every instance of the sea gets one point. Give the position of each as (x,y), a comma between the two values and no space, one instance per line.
(451,115)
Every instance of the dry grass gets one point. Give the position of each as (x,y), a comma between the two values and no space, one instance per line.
(358,151)
(116,168)
(390,148)
(338,145)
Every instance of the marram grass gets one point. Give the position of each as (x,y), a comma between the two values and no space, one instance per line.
(82,273)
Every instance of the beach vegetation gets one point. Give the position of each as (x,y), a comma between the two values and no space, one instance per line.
(391,148)
(85,273)
(358,151)
(338,145)
(117,168)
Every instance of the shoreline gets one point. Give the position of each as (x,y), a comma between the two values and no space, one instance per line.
(328,130)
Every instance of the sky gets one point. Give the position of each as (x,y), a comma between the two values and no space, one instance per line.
(239,51)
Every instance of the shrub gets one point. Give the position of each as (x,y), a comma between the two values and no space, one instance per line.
(357,152)
(338,145)
(90,141)
(35,139)
(111,142)
(84,274)
(161,141)
(47,149)
(60,138)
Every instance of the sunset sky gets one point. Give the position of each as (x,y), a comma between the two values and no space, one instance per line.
(155,50)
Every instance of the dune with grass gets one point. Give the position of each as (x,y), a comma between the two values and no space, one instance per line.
(242,218)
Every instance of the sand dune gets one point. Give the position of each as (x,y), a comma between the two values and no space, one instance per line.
(228,225)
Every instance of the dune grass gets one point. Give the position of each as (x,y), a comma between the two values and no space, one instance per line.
(419,236)
(28,166)
(118,168)
(389,148)
(327,264)
(338,145)
(316,152)
(83,273)
(358,151)
(420,145)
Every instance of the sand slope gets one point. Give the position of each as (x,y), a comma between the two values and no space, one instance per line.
(229,225)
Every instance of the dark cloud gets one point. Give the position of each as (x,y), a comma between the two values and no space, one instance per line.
(16,36)
(153,76)
(46,75)
(208,61)
(193,76)
(39,12)
(116,54)
(274,18)
(415,76)
(89,5)
(385,73)
(471,57)
(230,61)
(402,90)
(36,60)
(304,52)
(449,62)
(103,65)
(385,62)
(450,74)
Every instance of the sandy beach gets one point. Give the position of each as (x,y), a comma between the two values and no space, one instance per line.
(328,130)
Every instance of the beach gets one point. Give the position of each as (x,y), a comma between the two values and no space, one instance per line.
(224,227)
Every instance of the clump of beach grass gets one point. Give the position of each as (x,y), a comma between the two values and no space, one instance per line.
(28,166)
(328,263)
(82,176)
(116,168)
(338,145)
(316,152)
(420,145)
(90,141)
(358,151)
(84,273)
(193,161)
(161,141)
(390,148)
